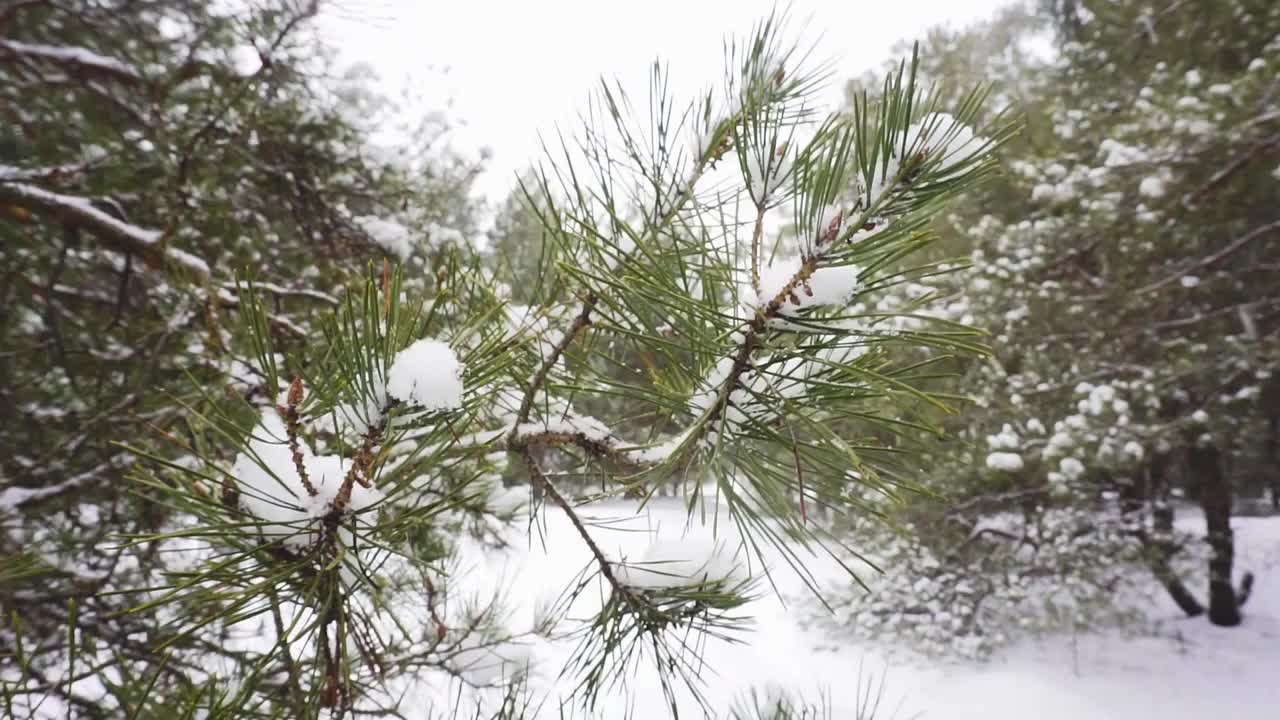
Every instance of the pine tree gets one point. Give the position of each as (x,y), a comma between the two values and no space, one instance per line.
(306,528)
(150,154)
(1124,267)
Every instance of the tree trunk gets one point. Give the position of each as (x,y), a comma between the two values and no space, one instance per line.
(1162,563)
(1270,404)
(1158,547)
(1205,463)
(1272,463)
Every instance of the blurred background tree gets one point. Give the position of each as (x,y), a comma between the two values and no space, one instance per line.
(150,154)
(1125,266)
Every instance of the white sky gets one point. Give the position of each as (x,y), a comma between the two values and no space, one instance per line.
(508,69)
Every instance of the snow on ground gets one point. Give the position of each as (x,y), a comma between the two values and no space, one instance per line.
(1186,670)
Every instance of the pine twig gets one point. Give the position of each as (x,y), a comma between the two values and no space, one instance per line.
(581,322)
(543,483)
(289,412)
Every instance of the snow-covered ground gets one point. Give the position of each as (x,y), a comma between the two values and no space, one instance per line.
(1186,670)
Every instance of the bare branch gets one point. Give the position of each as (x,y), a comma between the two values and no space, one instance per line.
(1212,260)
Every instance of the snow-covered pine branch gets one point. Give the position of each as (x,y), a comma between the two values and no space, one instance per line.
(150,245)
(667,342)
(75,61)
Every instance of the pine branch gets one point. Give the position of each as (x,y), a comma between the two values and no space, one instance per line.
(22,497)
(580,323)
(75,61)
(543,483)
(121,236)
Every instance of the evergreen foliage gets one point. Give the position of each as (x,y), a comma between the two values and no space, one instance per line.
(283,545)
(1125,266)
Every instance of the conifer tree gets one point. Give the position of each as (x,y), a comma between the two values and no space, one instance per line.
(1124,265)
(150,154)
(297,562)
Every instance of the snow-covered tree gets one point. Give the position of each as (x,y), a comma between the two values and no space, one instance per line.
(1125,266)
(152,153)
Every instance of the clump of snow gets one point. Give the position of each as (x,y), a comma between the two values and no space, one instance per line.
(445,235)
(486,662)
(1152,186)
(825,286)
(1071,468)
(245,60)
(1099,398)
(272,490)
(942,136)
(766,175)
(427,373)
(683,562)
(1006,461)
(1189,281)
(389,234)
(1006,439)
(1117,154)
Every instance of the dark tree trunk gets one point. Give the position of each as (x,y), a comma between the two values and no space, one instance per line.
(1205,463)
(1158,547)
(1270,404)
(1273,459)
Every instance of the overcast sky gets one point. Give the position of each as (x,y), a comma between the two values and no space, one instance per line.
(509,69)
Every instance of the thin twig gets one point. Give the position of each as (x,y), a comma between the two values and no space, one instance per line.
(582,321)
(1212,260)
(543,483)
(757,236)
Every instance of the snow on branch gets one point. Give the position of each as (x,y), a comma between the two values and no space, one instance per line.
(282,291)
(290,489)
(117,234)
(9,173)
(15,498)
(582,431)
(74,60)
(387,234)
(427,373)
